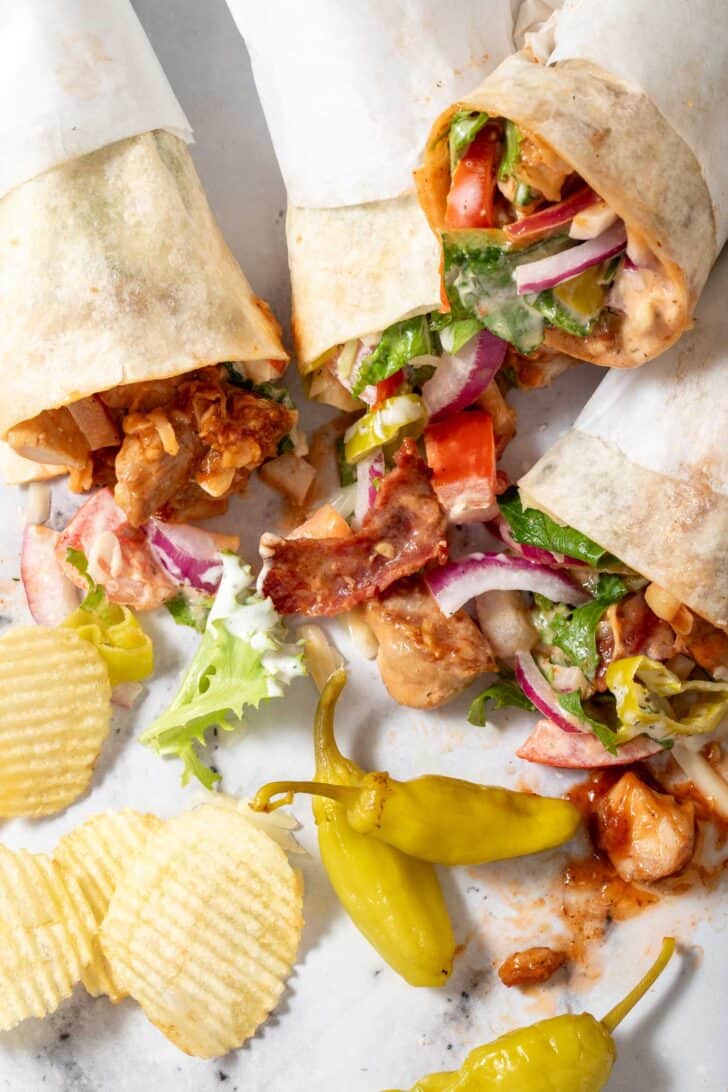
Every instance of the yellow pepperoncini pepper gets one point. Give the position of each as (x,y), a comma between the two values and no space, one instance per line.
(643,690)
(571,1053)
(442,819)
(121,641)
(394,900)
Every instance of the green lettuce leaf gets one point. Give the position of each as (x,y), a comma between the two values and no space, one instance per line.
(190,610)
(571,703)
(464,127)
(241,661)
(504,693)
(397,345)
(576,634)
(535,528)
(512,152)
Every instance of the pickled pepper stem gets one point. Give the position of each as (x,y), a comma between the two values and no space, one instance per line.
(615,1016)
(287,789)
(325,746)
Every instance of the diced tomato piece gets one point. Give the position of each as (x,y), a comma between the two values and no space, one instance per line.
(387,388)
(549,745)
(461,454)
(325,522)
(472,190)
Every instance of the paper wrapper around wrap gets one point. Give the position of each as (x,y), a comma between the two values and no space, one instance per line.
(631,94)
(644,470)
(113,269)
(349,91)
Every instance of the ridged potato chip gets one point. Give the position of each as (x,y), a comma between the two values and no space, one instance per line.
(46,929)
(55,713)
(96,854)
(203,929)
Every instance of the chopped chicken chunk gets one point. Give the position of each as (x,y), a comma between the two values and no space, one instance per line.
(425,658)
(647,835)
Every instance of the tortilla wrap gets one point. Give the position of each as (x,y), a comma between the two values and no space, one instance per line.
(114,271)
(644,469)
(621,145)
(361,253)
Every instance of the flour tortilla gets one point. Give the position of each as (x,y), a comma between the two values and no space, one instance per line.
(613,135)
(644,470)
(113,271)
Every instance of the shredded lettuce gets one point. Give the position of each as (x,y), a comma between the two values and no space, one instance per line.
(479,267)
(114,630)
(242,660)
(504,693)
(512,152)
(653,700)
(464,127)
(396,347)
(535,528)
(458,333)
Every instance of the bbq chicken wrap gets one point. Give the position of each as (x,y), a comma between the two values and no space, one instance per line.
(580,192)
(607,605)
(134,352)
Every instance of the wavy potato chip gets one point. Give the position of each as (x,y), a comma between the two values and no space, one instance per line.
(55,713)
(46,930)
(96,854)
(203,929)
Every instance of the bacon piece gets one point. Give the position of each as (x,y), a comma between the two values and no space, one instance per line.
(134,577)
(401,532)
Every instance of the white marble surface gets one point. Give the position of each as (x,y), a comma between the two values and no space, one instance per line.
(346,1021)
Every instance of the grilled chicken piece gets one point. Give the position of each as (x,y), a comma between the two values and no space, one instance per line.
(425,658)
(708,646)
(147,476)
(51,437)
(647,835)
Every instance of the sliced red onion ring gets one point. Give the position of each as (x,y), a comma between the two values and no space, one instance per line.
(538,690)
(549,746)
(369,471)
(552,217)
(462,377)
(51,596)
(454,584)
(501,528)
(188,554)
(548,272)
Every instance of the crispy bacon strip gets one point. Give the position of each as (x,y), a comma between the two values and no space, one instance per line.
(404,529)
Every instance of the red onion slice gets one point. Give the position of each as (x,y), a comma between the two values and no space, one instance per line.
(548,272)
(549,746)
(538,690)
(462,377)
(51,596)
(455,584)
(552,217)
(188,554)
(369,471)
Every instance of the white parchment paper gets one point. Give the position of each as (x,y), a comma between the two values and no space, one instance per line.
(673,416)
(75,75)
(676,51)
(350,87)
